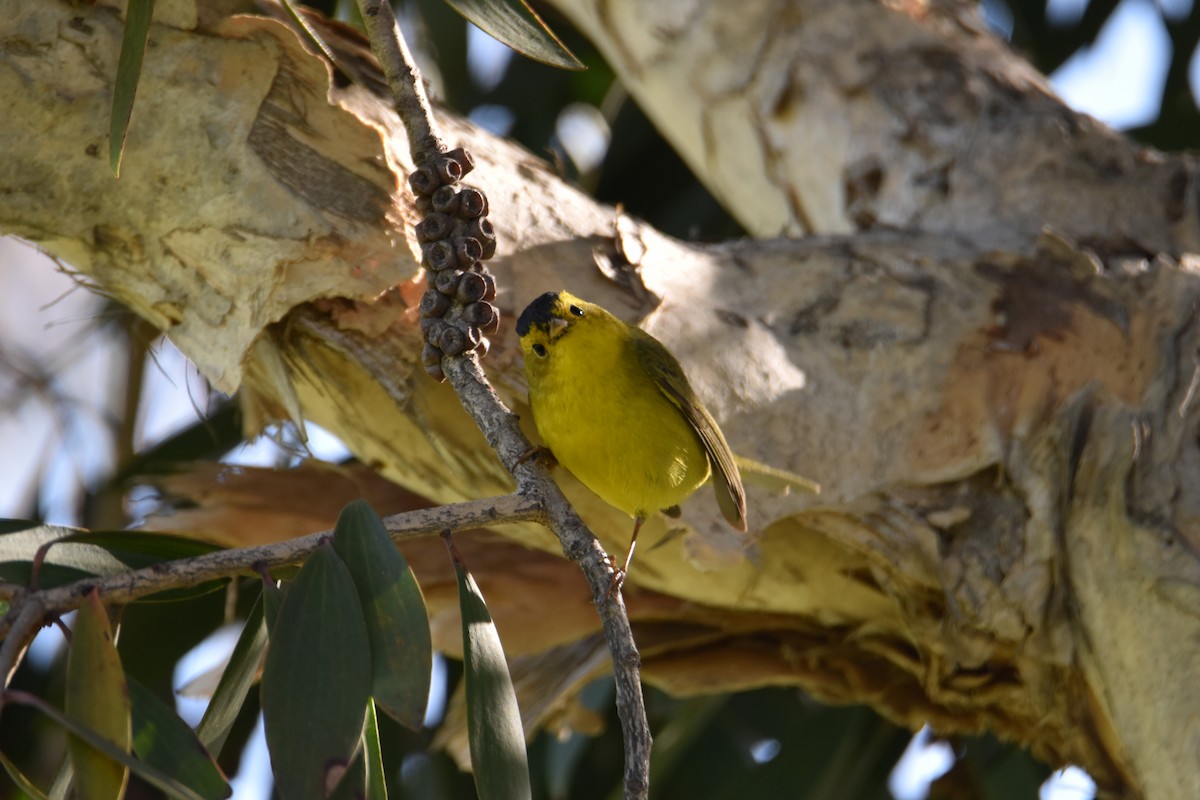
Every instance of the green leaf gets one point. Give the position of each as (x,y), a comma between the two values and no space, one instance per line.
(23,783)
(373,755)
(97,696)
(129,71)
(313,36)
(61,788)
(235,682)
(365,779)
(494,730)
(353,783)
(165,742)
(517,25)
(104,746)
(273,594)
(394,611)
(316,683)
(72,554)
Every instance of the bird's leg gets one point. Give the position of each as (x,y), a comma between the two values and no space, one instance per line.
(619,574)
(540,453)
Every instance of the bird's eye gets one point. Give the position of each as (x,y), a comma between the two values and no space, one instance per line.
(577,311)
(540,349)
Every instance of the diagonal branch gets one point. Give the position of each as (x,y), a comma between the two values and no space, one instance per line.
(499,425)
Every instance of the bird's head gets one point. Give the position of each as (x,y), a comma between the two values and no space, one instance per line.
(549,318)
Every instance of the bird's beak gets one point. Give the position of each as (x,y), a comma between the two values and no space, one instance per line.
(557,326)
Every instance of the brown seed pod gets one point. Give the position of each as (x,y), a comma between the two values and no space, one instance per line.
(490,280)
(466,161)
(447,280)
(472,203)
(440,255)
(431,355)
(433,227)
(473,337)
(448,170)
(481,314)
(467,251)
(433,333)
(483,347)
(492,327)
(453,340)
(482,230)
(434,303)
(423,181)
(446,200)
(471,287)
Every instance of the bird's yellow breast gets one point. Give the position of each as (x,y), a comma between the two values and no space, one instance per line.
(609,424)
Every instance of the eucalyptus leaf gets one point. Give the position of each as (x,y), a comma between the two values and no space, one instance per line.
(165,742)
(23,783)
(373,756)
(272,596)
(494,732)
(353,783)
(235,682)
(129,72)
(97,696)
(394,611)
(517,25)
(365,780)
(105,747)
(73,554)
(316,682)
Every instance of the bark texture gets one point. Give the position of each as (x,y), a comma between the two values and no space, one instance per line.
(1002,416)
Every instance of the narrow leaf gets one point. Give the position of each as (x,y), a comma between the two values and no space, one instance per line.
(373,755)
(353,783)
(97,696)
(70,554)
(394,611)
(316,682)
(23,783)
(365,779)
(129,71)
(61,788)
(494,731)
(313,36)
(165,742)
(272,595)
(517,25)
(152,776)
(235,682)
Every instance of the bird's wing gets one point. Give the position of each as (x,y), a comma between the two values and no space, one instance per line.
(673,383)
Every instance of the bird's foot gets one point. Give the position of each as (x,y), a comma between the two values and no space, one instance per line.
(618,580)
(539,453)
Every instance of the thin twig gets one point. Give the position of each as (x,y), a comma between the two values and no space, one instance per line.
(408,92)
(27,613)
(499,425)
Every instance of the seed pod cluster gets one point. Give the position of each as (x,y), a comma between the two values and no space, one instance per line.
(457,313)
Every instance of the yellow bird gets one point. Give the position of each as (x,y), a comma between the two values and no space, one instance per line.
(615,408)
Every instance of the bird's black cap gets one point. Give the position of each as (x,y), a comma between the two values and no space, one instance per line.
(540,311)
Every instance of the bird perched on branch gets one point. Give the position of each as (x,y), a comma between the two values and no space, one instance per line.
(615,408)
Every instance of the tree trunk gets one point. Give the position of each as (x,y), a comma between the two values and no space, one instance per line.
(1001,416)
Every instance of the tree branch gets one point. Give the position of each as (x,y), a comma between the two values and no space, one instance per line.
(403,78)
(27,612)
(499,425)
